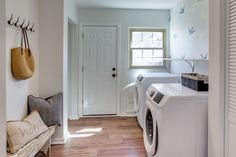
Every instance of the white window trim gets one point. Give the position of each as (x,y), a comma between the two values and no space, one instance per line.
(164,47)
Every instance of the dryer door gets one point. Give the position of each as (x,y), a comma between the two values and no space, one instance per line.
(150,132)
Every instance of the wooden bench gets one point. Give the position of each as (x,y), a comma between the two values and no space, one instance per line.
(41,143)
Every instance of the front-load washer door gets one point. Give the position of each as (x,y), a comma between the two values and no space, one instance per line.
(150,132)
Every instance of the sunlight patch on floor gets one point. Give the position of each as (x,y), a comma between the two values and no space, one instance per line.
(79,135)
(87,132)
(90,130)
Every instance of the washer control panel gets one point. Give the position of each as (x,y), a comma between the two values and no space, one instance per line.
(140,78)
(158,97)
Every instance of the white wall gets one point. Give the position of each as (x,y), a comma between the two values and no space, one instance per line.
(126,19)
(216,79)
(53,52)
(183,43)
(17,91)
(2,79)
(70,15)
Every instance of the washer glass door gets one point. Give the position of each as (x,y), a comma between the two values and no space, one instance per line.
(151,133)
(149,127)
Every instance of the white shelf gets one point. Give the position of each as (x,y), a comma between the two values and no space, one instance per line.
(183,59)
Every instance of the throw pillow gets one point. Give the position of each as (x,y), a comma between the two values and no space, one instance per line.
(50,108)
(20,133)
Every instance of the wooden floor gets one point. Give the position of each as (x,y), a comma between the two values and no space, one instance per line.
(102,137)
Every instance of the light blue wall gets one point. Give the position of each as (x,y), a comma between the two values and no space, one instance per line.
(127,18)
(189,34)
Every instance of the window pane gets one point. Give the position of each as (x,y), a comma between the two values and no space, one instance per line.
(157,36)
(147,53)
(147,40)
(158,53)
(137,53)
(147,61)
(147,36)
(137,61)
(157,61)
(147,58)
(136,36)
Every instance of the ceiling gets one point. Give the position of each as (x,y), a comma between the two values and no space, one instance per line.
(127,4)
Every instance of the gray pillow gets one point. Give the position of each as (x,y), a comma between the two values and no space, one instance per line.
(50,109)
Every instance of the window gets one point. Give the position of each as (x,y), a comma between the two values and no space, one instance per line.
(147,48)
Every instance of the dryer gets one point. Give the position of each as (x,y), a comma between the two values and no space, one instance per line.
(175,121)
(142,83)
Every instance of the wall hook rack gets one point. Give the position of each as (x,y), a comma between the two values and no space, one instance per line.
(18,24)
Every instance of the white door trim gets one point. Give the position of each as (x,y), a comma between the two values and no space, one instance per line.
(216,78)
(73,54)
(118,35)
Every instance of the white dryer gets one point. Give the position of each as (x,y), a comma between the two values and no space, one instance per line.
(175,121)
(142,83)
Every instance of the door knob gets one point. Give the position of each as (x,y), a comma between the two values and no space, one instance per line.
(113,69)
(113,75)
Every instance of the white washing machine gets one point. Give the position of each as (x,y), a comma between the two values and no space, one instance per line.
(142,83)
(175,121)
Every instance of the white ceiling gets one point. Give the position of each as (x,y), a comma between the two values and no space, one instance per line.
(127,4)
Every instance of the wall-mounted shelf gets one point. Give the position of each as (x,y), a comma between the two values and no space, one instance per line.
(183,59)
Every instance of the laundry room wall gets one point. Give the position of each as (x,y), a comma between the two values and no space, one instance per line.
(126,18)
(53,38)
(17,91)
(189,34)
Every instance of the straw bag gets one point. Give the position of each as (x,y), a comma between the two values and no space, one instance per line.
(22,60)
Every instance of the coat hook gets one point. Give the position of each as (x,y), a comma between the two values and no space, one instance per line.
(32,28)
(16,23)
(27,27)
(10,21)
(21,26)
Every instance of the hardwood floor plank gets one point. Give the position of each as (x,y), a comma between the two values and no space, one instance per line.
(102,137)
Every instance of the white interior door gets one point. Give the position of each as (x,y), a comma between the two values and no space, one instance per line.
(230,108)
(99,70)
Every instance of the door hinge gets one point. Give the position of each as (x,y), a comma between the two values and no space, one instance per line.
(82,68)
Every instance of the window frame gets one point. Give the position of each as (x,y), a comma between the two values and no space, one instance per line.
(130,49)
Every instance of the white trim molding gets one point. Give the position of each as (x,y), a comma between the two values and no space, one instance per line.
(63,140)
(216,78)
(57,141)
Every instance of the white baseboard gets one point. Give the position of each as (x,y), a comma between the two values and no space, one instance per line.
(128,114)
(73,118)
(57,141)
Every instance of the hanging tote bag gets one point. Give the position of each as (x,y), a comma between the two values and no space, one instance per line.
(22,60)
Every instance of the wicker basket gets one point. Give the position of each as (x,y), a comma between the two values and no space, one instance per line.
(195,81)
